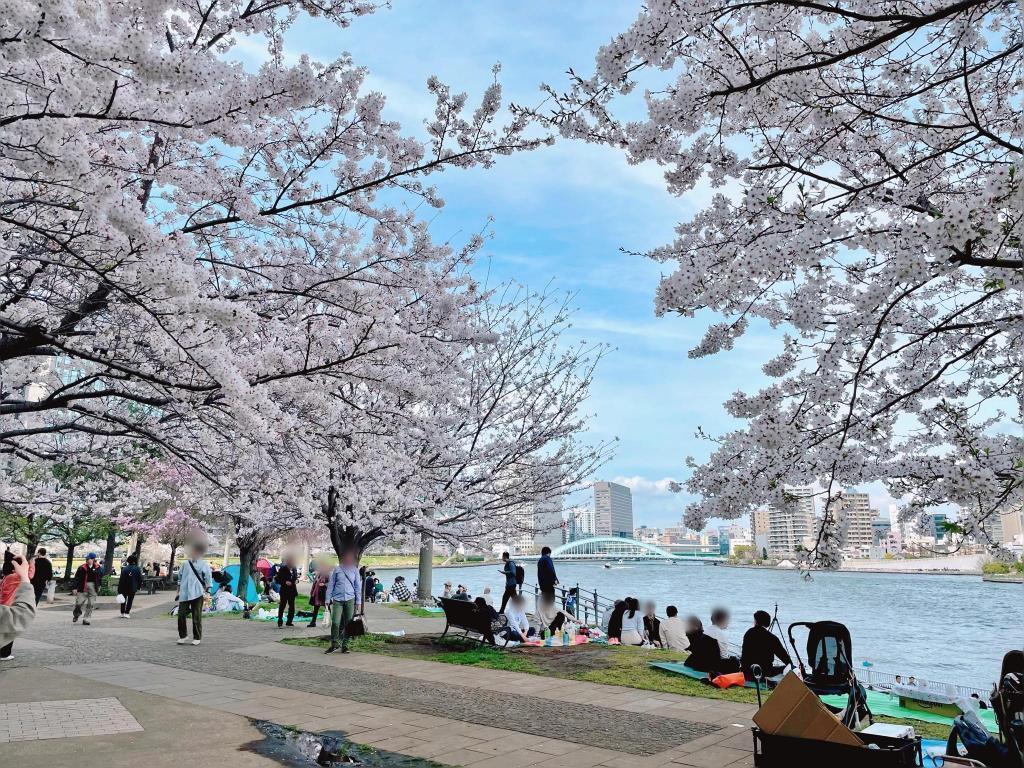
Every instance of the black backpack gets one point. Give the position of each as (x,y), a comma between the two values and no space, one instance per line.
(520,574)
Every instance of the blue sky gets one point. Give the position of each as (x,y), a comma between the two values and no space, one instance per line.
(561,214)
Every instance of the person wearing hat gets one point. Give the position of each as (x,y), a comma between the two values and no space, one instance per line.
(85,586)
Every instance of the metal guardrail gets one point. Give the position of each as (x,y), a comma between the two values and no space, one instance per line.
(887,681)
(590,606)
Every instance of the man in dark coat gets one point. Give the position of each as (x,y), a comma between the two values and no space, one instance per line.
(287,580)
(43,573)
(547,579)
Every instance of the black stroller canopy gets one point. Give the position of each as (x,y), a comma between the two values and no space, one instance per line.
(829,654)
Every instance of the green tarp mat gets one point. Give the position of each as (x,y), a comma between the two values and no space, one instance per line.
(682,669)
(879,702)
(882,703)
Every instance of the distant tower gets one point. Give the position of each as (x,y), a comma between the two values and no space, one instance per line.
(613,510)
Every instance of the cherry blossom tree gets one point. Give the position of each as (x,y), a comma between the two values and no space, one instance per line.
(866,162)
(186,242)
(505,434)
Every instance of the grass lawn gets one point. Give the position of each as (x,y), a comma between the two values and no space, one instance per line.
(608,665)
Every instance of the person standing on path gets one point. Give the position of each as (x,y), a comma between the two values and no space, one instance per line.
(42,575)
(193,582)
(547,579)
(318,592)
(128,583)
(345,598)
(85,586)
(287,580)
(509,569)
(16,616)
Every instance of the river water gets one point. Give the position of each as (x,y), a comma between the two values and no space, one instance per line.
(945,628)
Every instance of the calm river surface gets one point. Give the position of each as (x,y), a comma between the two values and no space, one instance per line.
(948,628)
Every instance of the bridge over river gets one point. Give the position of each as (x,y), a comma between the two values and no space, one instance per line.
(620,548)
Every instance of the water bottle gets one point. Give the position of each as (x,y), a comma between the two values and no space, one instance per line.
(565,637)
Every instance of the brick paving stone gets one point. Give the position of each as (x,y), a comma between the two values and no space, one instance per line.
(37,720)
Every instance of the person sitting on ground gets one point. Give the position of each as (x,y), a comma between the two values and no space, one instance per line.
(632,631)
(225,601)
(615,620)
(548,615)
(380,595)
(461,593)
(761,647)
(607,618)
(487,597)
(518,625)
(572,600)
(18,615)
(399,591)
(719,630)
(672,632)
(652,624)
(705,655)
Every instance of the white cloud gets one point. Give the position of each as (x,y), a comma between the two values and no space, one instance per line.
(637,484)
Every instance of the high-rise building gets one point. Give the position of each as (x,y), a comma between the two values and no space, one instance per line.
(881,529)
(791,527)
(537,525)
(1006,525)
(759,522)
(613,510)
(854,514)
(579,523)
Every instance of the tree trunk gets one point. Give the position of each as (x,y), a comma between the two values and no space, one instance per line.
(425,588)
(346,537)
(32,539)
(108,555)
(68,573)
(170,564)
(137,549)
(248,551)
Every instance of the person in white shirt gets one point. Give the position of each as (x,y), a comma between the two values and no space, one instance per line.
(673,631)
(225,601)
(633,632)
(487,596)
(718,631)
(549,615)
(518,625)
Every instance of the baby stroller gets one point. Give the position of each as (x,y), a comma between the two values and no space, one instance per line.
(984,750)
(830,669)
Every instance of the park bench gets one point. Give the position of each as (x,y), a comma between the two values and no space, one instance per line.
(464,615)
(152,583)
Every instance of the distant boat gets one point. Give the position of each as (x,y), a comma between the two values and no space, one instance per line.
(607,565)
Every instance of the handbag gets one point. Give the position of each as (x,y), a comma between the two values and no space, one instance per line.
(356,627)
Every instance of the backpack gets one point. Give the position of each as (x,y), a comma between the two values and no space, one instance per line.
(520,574)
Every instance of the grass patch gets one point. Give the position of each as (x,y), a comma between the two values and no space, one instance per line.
(414,610)
(603,664)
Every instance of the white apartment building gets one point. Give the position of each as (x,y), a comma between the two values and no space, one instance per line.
(579,523)
(613,510)
(792,526)
(855,517)
(535,526)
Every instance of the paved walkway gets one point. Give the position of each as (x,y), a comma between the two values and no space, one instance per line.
(452,715)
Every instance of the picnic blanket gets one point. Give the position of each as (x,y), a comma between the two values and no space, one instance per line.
(881,703)
(682,669)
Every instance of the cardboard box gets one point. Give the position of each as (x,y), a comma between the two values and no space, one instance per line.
(794,710)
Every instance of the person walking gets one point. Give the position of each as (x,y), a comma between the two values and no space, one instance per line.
(345,598)
(10,581)
(318,592)
(85,586)
(547,579)
(193,583)
(42,575)
(19,613)
(287,580)
(128,583)
(508,568)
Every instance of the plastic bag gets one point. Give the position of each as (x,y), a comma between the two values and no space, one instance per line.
(729,680)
